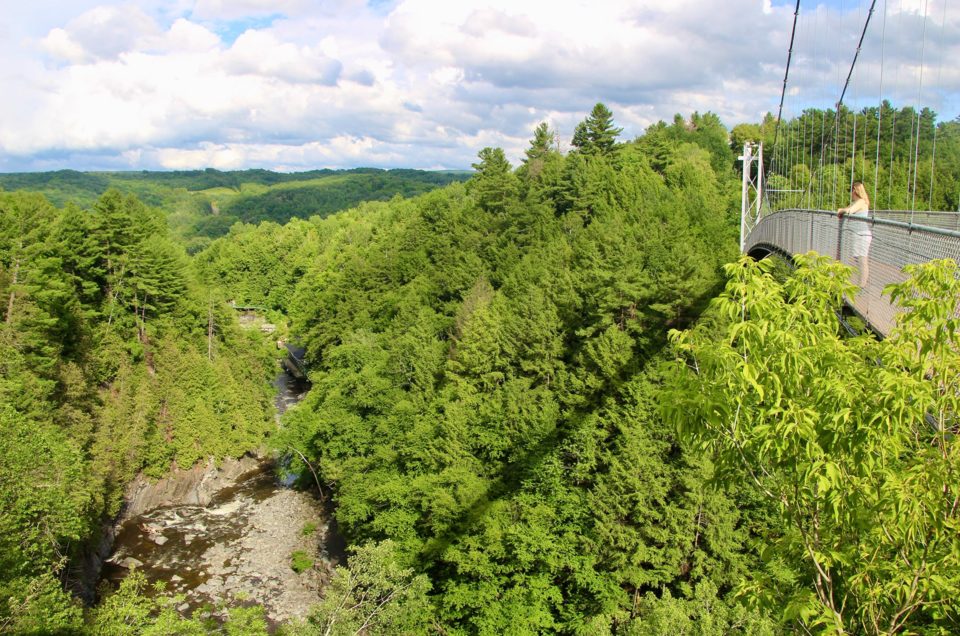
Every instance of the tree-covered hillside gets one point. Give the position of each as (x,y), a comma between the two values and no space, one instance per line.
(906,158)
(549,399)
(113,361)
(204,204)
(486,363)
(514,446)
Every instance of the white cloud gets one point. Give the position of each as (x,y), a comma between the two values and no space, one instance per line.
(185,35)
(301,83)
(103,32)
(261,53)
(60,44)
(237,9)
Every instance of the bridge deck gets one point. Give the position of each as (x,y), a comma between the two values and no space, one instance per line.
(896,242)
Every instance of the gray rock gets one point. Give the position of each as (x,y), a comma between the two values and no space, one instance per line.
(195,486)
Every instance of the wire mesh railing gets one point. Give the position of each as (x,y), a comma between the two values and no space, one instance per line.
(889,240)
(942,220)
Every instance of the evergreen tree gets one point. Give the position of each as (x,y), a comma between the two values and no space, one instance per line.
(494,186)
(597,135)
(542,143)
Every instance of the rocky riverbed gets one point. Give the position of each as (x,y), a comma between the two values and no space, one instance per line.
(227,536)
(237,549)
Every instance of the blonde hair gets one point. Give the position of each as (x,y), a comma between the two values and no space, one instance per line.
(861,193)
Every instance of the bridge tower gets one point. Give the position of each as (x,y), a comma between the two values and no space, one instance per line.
(752,193)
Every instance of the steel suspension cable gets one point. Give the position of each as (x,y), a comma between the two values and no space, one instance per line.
(916,151)
(896,112)
(809,144)
(933,159)
(893,137)
(876,170)
(786,72)
(823,148)
(853,151)
(853,138)
(836,120)
(853,64)
(843,93)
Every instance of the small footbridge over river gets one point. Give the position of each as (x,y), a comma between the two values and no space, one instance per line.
(800,170)
(254,316)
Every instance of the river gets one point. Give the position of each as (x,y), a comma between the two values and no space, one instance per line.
(239,547)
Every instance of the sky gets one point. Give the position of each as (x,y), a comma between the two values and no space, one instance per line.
(301,84)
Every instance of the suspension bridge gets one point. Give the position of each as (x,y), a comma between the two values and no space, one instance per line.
(791,197)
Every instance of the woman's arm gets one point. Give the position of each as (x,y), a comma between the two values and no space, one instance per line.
(858,205)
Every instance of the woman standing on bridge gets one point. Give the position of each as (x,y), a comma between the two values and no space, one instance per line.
(862,235)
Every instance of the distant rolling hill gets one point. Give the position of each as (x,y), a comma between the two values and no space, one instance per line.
(203,204)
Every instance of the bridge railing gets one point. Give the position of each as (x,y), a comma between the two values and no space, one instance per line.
(895,243)
(942,220)
(295,362)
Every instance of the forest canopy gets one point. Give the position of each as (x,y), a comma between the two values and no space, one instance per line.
(550,398)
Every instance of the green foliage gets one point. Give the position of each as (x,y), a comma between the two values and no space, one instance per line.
(38,605)
(258,265)
(596,135)
(300,561)
(246,621)
(494,185)
(129,610)
(542,169)
(135,610)
(112,362)
(705,131)
(904,157)
(204,204)
(484,365)
(375,595)
(852,439)
(321,198)
(702,615)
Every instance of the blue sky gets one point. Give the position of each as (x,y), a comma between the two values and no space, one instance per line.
(301,84)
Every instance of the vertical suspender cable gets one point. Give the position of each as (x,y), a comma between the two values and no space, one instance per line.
(853,65)
(853,138)
(893,127)
(780,163)
(813,166)
(893,138)
(853,151)
(914,126)
(933,158)
(876,169)
(783,93)
(836,122)
(916,148)
(823,149)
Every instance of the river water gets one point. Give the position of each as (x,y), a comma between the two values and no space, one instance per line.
(237,549)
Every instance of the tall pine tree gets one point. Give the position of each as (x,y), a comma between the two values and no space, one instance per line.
(596,135)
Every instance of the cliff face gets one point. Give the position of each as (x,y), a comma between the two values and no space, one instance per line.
(194,486)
